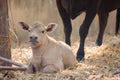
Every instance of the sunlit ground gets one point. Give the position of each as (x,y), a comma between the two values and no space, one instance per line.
(101,63)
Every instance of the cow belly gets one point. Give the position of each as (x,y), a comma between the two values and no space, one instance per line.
(109,5)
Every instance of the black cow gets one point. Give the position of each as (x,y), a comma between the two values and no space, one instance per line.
(70,9)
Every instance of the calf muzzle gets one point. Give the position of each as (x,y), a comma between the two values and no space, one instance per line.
(33,38)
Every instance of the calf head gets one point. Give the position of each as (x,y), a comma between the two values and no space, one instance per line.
(38,32)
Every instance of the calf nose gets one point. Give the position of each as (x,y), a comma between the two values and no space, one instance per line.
(33,38)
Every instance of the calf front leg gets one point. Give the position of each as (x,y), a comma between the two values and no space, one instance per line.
(31,68)
(102,25)
(51,69)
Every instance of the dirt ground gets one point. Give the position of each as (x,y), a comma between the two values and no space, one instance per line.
(101,63)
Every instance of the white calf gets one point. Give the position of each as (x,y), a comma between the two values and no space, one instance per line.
(49,55)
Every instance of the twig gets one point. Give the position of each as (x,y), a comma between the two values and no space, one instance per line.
(12,62)
(12,68)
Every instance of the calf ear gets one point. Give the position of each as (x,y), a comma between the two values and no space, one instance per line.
(23,25)
(51,27)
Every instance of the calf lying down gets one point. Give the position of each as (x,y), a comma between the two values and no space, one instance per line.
(49,55)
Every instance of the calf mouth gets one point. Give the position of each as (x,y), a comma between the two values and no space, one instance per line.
(34,44)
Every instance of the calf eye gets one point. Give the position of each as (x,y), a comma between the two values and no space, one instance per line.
(43,31)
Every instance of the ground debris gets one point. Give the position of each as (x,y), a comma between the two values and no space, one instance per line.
(101,63)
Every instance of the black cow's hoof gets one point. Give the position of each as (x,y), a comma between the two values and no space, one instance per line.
(80,58)
(98,43)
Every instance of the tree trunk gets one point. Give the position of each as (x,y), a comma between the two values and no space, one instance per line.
(5,47)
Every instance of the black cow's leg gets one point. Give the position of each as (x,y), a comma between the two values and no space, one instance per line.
(102,25)
(83,33)
(66,21)
(117,22)
(67,30)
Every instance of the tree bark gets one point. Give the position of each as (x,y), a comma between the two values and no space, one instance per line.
(5,47)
